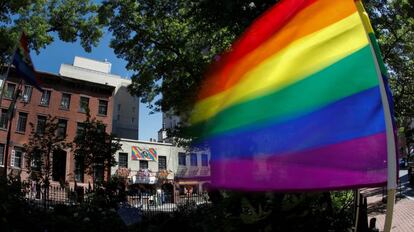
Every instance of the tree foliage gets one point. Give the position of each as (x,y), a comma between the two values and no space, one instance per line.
(166,45)
(41,20)
(95,148)
(394,26)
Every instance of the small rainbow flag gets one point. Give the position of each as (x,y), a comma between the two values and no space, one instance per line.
(298,104)
(23,63)
(139,153)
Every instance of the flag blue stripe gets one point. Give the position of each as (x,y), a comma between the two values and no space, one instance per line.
(353,117)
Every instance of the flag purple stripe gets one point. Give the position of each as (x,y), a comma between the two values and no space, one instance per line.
(358,162)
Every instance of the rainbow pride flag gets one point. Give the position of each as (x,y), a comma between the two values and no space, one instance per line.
(298,104)
(23,63)
(139,153)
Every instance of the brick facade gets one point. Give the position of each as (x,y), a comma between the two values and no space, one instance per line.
(57,85)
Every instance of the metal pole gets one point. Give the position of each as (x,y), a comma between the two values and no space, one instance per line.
(391,146)
(10,117)
(3,87)
(357,200)
(390,209)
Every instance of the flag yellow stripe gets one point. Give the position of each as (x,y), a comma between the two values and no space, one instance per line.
(364,17)
(290,65)
(313,18)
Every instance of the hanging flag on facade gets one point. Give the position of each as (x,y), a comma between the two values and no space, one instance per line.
(141,153)
(23,63)
(298,104)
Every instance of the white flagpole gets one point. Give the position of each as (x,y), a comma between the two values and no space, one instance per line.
(391,147)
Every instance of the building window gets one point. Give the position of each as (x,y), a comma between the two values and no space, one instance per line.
(118,117)
(16,157)
(132,120)
(162,163)
(84,104)
(103,107)
(204,160)
(193,159)
(143,164)
(65,101)
(10,90)
(21,122)
(36,161)
(80,128)
(2,149)
(3,119)
(181,158)
(45,99)
(62,125)
(119,107)
(41,124)
(27,93)
(98,173)
(123,160)
(79,170)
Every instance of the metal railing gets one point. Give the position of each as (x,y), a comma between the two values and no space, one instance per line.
(149,204)
(164,202)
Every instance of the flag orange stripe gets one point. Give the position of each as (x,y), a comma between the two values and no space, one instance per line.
(313,18)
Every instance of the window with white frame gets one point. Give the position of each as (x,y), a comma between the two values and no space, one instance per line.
(16,157)
(65,101)
(27,93)
(123,159)
(162,163)
(45,99)
(36,161)
(83,104)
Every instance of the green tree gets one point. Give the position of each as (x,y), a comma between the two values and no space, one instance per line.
(44,140)
(96,149)
(393,23)
(70,20)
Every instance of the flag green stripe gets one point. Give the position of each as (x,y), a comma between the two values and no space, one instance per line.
(324,87)
(377,50)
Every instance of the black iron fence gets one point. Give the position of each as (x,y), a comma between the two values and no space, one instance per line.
(164,202)
(149,204)
(54,195)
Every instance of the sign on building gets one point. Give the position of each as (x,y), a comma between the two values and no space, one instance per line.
(140,153)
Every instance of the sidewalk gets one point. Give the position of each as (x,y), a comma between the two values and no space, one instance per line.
(403,217)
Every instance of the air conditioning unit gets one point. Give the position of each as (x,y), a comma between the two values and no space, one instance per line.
(25,98)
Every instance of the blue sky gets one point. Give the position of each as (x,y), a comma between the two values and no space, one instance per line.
(59,52)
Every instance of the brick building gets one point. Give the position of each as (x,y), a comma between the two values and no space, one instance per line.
(63,97)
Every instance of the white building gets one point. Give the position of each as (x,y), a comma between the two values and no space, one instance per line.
(148,163)
(169,121)
(125,107)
